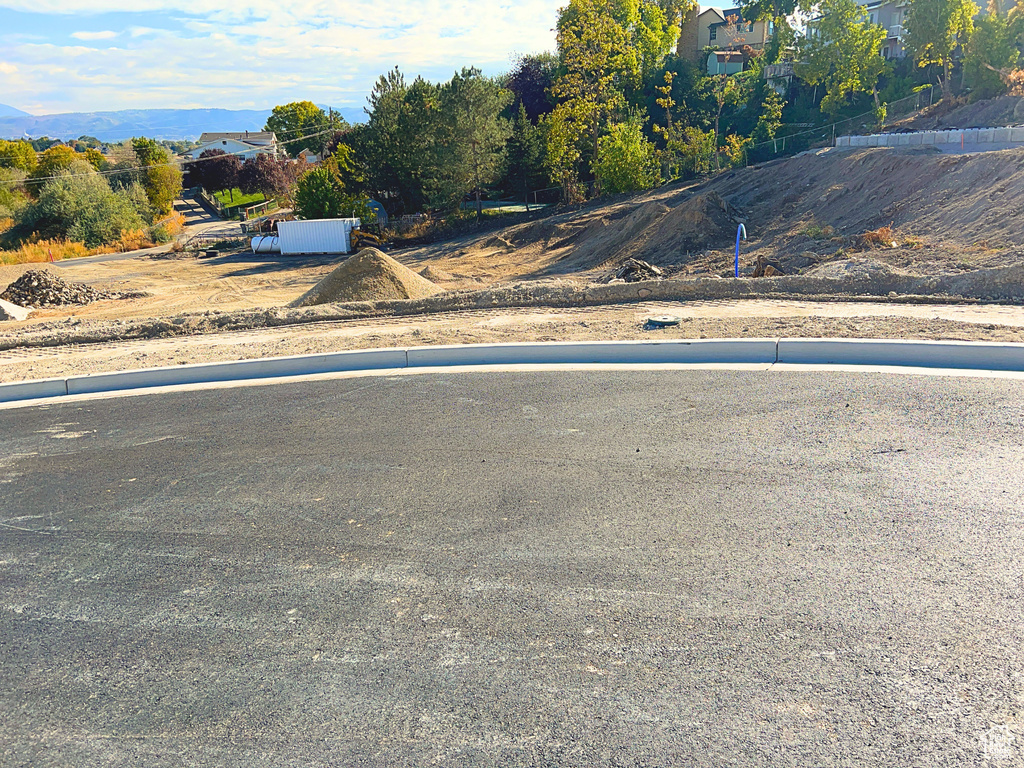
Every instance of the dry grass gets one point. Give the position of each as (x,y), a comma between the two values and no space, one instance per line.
(45,250)
(38,251)
(174,224)
(883,237)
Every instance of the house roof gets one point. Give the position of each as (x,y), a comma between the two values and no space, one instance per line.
(727,12)
(246,137)
(714,11)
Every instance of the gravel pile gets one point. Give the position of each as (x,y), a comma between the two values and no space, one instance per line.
(39,288)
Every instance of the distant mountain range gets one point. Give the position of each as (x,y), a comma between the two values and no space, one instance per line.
(170,124)
(9,111)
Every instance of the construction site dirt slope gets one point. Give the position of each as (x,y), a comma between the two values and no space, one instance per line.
(368,276)
(948,213)
(988,113)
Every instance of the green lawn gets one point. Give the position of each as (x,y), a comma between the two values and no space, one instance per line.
(240,199)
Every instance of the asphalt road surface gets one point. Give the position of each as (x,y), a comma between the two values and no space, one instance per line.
(518,569)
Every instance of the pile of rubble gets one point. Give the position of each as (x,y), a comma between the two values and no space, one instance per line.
(635,270)
(39,288)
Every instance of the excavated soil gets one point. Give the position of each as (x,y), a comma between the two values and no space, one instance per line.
(989,113)
(948,213)
(368,276)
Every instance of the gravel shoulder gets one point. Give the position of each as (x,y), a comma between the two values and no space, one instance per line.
(698,319)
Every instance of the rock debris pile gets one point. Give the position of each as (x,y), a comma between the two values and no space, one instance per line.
(635,270)
(39,288)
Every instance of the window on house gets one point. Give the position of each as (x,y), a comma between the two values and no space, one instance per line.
(885,52)
(714,33)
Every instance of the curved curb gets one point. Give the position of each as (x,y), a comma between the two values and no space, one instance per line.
(983,356)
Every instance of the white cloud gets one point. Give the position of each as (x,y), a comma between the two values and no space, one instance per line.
(105,35)
(264,52)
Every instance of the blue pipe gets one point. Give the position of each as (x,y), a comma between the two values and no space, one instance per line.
(739,229)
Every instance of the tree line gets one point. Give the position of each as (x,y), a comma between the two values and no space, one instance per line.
(615,109)
(83,195)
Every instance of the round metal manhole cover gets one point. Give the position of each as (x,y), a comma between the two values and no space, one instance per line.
(663,320)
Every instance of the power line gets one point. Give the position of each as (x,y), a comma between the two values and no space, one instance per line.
(115,171)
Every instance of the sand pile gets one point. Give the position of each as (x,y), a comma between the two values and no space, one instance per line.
(368,276)
(435,275)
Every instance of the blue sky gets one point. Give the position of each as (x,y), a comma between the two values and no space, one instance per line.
(90,55)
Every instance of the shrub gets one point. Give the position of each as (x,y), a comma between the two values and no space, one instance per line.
(626,160)
(79,205)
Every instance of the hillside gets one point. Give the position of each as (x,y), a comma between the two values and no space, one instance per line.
(6,110)
(949,214)
(170,124)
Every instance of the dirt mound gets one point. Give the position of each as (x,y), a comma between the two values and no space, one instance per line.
(653,232)
(39,288)
(962,198)
(368,276)
(703,221)
(989,113)
(435,275)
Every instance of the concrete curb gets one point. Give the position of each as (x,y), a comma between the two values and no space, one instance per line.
(971,355)
(681,351)
(239,370)
(985,356)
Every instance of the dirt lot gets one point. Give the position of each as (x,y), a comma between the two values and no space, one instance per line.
(956,238)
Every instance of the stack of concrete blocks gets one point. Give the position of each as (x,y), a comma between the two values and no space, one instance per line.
(972,136)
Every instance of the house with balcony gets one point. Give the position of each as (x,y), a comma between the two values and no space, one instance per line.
(244,144)
(891,14)
(726,31)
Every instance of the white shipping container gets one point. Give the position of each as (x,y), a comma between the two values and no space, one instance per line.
(315,236)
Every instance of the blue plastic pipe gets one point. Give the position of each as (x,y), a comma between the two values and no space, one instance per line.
(739,229)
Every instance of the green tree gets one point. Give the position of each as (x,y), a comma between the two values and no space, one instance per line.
(771,118)
(469,137)
(993,51)
(842,53)
(593,47)
(320,194)
(159,175)
(626,160)
(934,31)
(698,149)
(397,140)
(726,91)
(13,197)
(79,204)
(18,154)
(54,160)
(303,125)
(524,155)
(95,158)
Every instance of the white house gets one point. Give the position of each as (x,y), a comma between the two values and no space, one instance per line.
(245,145)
